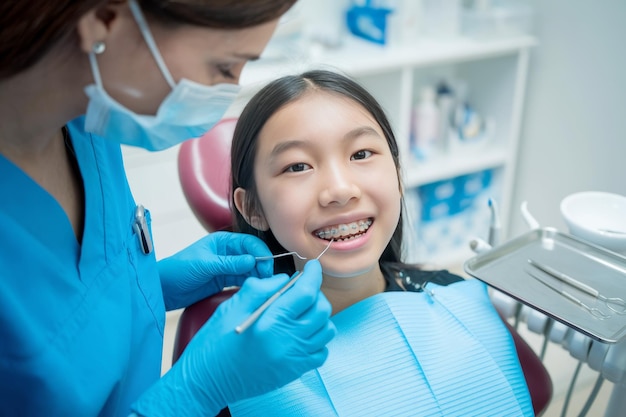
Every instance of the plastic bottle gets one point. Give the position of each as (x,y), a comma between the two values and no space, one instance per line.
(446,103)
(426,124)
(469,125)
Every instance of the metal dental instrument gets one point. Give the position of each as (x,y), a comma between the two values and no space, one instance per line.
(595,312)
(257,313)
(266,258)
(615,304)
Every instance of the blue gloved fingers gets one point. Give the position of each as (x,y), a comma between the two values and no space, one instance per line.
(257,248)
(228,265)
(319,340)
(315,325)
(256,291)
(219,366)
(218,260)
(252,294)
(237,252)
(264,269)
(304,292)
(233,243)
(281,347)
(317,359)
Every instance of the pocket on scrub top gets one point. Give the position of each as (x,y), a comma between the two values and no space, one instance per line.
(145,270)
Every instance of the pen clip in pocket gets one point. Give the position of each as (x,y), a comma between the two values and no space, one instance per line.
(140,226)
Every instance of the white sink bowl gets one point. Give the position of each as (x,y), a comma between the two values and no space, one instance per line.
(597,217)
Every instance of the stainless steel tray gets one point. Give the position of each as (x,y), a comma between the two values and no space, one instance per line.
(504,268)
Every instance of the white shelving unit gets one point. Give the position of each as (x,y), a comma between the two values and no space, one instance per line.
(495,72)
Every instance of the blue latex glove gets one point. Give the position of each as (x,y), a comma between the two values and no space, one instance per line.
(219,366)
(220,259)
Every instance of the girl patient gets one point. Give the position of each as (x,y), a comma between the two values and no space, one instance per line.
(314,158)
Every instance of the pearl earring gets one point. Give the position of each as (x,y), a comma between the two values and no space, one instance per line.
(98,47)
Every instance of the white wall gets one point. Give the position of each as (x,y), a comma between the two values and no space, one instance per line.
(574,130)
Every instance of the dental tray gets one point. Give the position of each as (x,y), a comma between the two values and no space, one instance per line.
(505,268)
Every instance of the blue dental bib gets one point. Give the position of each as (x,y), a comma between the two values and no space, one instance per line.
(410,354)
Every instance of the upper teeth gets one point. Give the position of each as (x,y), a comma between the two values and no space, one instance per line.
(344,230)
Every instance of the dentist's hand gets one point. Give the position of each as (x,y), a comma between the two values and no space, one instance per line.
(220,259)
(220,367)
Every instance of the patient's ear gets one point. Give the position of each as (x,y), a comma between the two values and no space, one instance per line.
(254,219)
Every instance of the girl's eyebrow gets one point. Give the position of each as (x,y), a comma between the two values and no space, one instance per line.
(286,145)
(361,131)
(296,143)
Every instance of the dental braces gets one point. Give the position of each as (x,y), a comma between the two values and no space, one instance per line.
(344,228)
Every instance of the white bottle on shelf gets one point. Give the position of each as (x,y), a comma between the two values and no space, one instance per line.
(425,129)
(446,104)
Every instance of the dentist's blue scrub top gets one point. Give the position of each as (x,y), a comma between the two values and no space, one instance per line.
(81,326)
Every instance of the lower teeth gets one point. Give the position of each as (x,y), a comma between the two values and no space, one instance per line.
(343,238)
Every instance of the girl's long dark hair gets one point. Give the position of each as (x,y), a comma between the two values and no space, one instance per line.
(257,112)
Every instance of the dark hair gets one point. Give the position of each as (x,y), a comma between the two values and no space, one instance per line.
(29,29)
(257,112)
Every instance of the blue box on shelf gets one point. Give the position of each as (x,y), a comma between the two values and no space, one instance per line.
(447,213)
(470,186)
(369,23)
(438,199)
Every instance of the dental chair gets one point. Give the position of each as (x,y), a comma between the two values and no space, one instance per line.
(204,172)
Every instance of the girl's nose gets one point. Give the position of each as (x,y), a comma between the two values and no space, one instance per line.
(339,188)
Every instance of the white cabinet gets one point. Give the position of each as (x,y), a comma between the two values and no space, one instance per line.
(495,73)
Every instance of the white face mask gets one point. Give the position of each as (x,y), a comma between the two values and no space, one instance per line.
(188,111)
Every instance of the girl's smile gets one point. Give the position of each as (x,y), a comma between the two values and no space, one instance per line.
(344,232)
(347,236)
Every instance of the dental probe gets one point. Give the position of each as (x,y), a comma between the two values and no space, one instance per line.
(266,258)
(257,313)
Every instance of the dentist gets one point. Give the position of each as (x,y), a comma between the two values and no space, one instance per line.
(82,298)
